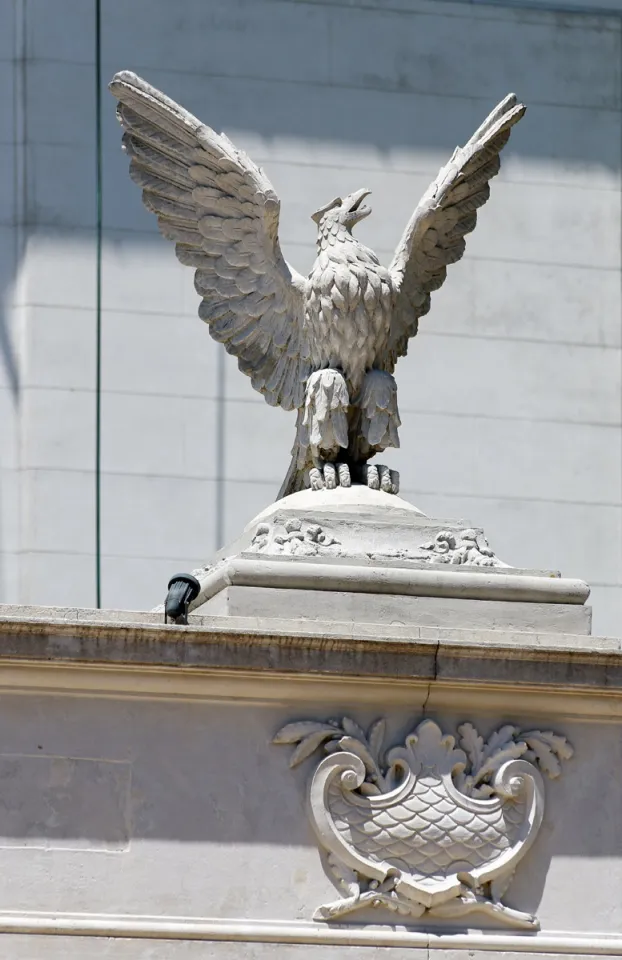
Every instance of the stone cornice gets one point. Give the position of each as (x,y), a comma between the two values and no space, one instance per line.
(135,654)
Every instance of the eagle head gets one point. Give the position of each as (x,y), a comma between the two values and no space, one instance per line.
(344,212)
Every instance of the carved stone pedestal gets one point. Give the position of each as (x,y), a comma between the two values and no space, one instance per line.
(359,555)
(279,786)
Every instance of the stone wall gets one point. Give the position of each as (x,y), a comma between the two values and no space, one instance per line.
(511,395)
(144,806)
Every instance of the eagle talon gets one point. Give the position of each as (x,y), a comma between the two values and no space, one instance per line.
(343,472)
(330,476)
(379,477)
(372,479)
(384,475)
(316,480)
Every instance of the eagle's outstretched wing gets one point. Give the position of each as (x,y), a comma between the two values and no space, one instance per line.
(223,214)
(447,211)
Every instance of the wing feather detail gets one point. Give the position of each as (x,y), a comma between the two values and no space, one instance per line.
(222,213)
(447,212)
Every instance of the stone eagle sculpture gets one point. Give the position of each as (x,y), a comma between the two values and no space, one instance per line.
(325,345)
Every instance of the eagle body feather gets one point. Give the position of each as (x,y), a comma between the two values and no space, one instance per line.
(348,307)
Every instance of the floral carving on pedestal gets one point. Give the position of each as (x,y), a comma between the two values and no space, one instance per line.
(427,829)
(466,547)
(294,537)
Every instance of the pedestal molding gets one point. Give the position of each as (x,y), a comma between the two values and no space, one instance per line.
(473,584)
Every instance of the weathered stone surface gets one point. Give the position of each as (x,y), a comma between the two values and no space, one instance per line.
(395,609)
(362,523)
(331,649)
(312,553)
(159,738)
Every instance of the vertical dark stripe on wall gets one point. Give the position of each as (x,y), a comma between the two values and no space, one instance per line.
(98,302)
(219,526)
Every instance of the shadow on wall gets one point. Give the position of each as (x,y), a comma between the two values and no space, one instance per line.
(164,779)
(8,353)
(380,78)
(395,146)
(10,400)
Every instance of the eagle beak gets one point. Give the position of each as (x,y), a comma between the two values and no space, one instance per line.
(354,206)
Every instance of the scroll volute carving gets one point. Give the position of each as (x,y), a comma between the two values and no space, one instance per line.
(431,828)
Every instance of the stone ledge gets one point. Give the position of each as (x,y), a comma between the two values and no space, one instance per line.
(388,578)
(272,932)
(399,610)
(118,638)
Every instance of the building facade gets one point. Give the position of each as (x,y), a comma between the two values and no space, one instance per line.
(511,395)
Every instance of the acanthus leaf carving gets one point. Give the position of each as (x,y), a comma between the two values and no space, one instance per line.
(427,829)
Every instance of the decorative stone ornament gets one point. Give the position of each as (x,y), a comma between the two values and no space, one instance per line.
(428,830)
(469,546)
(325,345)
(328,547)
(293,537)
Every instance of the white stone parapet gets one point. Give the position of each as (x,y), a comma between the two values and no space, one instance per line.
(141,797)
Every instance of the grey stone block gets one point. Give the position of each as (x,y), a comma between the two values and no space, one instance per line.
(54,576)
(131,501)
(46,28)
(63,186)
(607,605)
(398,610)
(531,381)
(7,196)
(47,362)
(61,515)
(550,303)
(402,59)
(141,276)
(587,237)
(233,37)
(63,263)
(60,425)
(178,359)
(53,83)
(520,459)
(7,25)
(168,435)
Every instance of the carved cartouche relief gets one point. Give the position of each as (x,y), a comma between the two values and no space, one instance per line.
(429,828)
